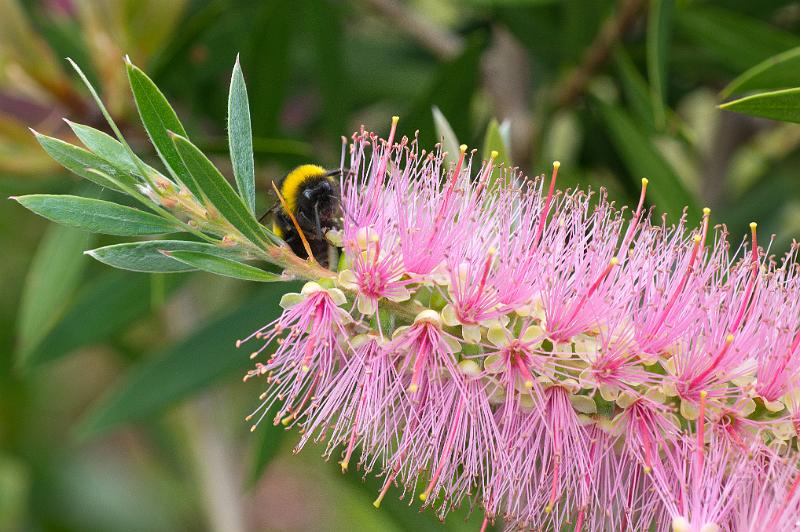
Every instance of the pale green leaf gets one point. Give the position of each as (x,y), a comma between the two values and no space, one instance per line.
(148,257)
(445,134)
(222,266)
(219,192)
(240,138)
(96,216)
(159,119)
(79,161)
(52,278)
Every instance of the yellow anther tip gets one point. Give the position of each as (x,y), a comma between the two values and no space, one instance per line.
(423,497)
(395,119)
(305,368)
(344,465)
(697,239)
(529,384)
(548,509)
(376,503)
(729,339)
(645,181)
(614,261)
(413,388)
(703,394)
(493,154)
(462,148)
(492,250)
(648,470)
(706,211)
(556,164)
(753,225)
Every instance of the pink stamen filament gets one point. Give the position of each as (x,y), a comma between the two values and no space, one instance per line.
(634,222)
(678,289)
(592,289)
(546,208)
(445,456)
(700,448)
(556,470)
(784,363)
(351,444)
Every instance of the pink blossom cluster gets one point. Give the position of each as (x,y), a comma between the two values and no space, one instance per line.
(545,357)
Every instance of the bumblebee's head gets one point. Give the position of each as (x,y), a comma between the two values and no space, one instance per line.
(312,195)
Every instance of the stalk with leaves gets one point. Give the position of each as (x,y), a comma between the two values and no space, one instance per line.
(542,356)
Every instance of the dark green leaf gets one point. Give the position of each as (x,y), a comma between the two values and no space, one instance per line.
(240,138)
(778,72)
(736,41)
(147,256)
(103,308)
(325,29)
(159,119)
(634,86)
(659,26)
(267,441)
(191,365)
(96,216)
(270,50)
(52,278)
(219,192)
(222,266)
(451,91)
(78,161)
(643,160)
(781,105)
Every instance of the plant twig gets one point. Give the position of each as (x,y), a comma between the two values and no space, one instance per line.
(438,41)
(573,86)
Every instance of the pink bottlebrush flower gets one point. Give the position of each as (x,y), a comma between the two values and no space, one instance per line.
(548,359)
(356,410)
(309,336)
(580,259)
(772,500)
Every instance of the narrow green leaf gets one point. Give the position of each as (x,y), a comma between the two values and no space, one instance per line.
(108,148)
(96,216)
(103,308)
(266,444)
(325,26)
(496,140)
(148,257)
(159,118)
(445,134)
(219,192)
(734,40)
(222,266)
(780,71)
(634,87)
(451,90)
(240,138)
(659,25)
(78,160)
(52,278)
(269,49)
(191,365)
(643,160)
(783,105)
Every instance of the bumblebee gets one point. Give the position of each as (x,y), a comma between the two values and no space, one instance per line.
(311,195)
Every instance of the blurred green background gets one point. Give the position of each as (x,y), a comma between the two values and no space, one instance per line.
(121,401)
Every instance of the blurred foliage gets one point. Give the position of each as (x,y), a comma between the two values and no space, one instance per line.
(113,418)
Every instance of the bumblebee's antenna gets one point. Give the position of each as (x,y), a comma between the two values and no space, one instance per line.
(294,222)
